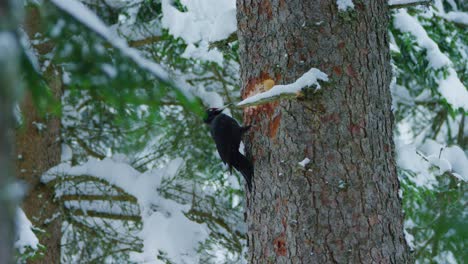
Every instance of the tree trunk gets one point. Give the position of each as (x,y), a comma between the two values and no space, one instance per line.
(342,207)
(9,78)
(38,148)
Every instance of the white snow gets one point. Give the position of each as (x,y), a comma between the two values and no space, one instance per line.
(408,224)
(81,13)
(457,17)
(204,21)
(309,79)
(430,154)
(344,5)
(445,257)
(57,28)
(400,95)
(409,159)
(202,53)
(67,153)
(404,2)
(451,159)
(25,236)
(406,23)
(29,50)
(304,162)
(451,88)
(409,239)
(118,208)
(165,227)
(110,70)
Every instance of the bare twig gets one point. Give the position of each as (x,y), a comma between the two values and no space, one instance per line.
(91,213)
(87,197)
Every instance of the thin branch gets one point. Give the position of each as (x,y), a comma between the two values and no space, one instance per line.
(461,133)
(91,213)
(100,233)
(221,44)
(201,215)
(88,150)
(100,259)
(408,3)
(143,42)
(87,197)
(83,178)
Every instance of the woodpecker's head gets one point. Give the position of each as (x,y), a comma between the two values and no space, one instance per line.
(211,113)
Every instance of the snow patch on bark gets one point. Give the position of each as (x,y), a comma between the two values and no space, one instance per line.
(309,79)
(344,5)
(304,162)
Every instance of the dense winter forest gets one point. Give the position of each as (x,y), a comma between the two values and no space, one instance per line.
(357,108)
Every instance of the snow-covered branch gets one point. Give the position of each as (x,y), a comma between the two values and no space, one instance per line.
(450,86)
(86,17)
(459,18)
(164,222)
(309,79)
(407,3)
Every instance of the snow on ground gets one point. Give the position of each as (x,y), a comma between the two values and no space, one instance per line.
(25,236)
(451,88)
(165,227)
(309,79)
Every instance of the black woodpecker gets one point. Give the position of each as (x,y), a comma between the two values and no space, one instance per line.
(227,135)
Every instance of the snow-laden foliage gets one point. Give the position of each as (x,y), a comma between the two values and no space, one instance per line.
(430,101)
(169,184)
(113,194)
(26,243)
(113,104)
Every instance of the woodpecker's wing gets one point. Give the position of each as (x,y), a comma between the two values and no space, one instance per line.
(226,133)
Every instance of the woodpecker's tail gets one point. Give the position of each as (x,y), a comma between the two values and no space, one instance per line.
(245,167)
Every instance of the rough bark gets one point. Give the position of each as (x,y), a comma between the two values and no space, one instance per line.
(343,207)
(38,149)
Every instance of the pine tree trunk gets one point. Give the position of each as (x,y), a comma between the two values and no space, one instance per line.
(342,207)
(38,149)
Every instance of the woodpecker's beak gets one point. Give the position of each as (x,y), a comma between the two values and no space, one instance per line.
(222,108)
(218,111)
(226,106)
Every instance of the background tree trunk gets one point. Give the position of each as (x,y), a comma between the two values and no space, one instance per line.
(343,207)
(38,149)
(9,78)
